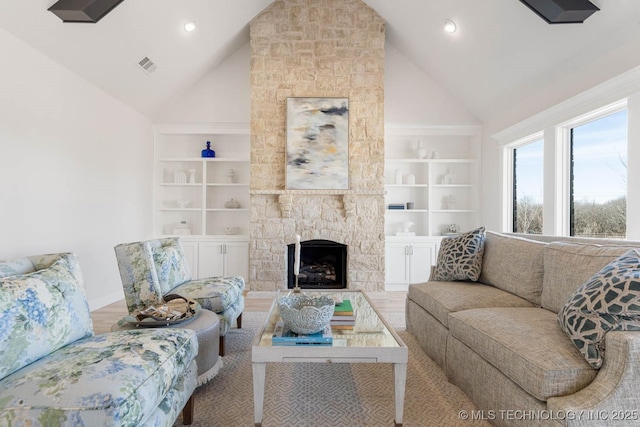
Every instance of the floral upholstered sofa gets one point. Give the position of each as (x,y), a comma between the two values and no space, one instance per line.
(55,372)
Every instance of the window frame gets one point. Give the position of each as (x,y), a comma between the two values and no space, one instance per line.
(564,168)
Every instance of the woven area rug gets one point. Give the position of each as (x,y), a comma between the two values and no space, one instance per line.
(314,394)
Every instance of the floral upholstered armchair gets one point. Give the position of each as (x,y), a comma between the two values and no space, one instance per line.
(55,372)
(154,268)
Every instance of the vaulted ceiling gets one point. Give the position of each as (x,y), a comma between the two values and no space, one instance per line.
(501,53)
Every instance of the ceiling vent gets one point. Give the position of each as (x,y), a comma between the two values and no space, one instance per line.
(83,10)
(562,11)
(147,65)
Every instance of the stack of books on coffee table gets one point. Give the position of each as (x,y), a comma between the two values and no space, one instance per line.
(282,335)
(343,316)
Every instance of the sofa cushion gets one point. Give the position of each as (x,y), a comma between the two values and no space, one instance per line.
(442,298)
(13,267)
(513,264)
(568,265)
(609,301)
(41,312)
(118,378)
(214,293)
(139,279)
(527,346)
(460,257)
(171,263)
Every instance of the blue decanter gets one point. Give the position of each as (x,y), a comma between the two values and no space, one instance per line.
(208,152)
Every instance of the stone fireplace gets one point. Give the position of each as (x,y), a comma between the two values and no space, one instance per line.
(317,48)
(323,265)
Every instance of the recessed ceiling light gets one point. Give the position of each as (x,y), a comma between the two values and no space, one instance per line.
(189,26)
(450,26)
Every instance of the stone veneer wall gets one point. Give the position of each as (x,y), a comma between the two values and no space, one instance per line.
(317,48)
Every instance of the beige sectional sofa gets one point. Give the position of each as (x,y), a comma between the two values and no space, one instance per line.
(499,340)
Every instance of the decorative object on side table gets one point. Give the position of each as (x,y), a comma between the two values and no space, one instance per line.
(208,152)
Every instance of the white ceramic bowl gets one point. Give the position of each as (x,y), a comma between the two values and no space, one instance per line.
(306,315)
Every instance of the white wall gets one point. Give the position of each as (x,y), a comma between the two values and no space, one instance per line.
(411,96)
(622,86)
(222,96)
(75,168)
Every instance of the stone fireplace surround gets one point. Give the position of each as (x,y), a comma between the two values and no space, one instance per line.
(317,48)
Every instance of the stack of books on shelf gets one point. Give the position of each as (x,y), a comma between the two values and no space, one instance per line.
(282,335)
(343,316)
(398,206)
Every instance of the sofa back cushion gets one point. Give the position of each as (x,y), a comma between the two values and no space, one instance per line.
(12,267)
(568,265)
(171,264)
(41,312)
(514,264)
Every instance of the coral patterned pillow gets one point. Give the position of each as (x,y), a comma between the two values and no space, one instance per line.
(460,257)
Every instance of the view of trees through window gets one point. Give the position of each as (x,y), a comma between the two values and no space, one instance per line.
(598,205)
(528,169)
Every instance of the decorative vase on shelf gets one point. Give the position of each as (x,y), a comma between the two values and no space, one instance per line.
(208,152)
(434,154)
(232,204)
(449,178)
(398,176)
(410,179)
(192,176)
(231,176)
(420,152)
(179,177)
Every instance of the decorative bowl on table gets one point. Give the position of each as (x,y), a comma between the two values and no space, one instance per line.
(306,315)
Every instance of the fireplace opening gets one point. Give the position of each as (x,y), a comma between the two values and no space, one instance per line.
(323,265)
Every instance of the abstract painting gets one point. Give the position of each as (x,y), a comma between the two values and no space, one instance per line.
(317,144)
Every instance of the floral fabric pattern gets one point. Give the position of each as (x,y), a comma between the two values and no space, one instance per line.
(216,294)
(41,312)
(139,280)
(154,268)
(170,262)
(13,267)
(120,379)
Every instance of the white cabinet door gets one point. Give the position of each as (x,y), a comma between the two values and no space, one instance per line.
(395,259)
(191,253)
(422,257)
(210,259)
(236,259)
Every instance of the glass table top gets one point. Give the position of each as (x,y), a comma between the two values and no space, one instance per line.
(369,330)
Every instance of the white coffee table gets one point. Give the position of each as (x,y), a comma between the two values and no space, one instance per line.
(371,341)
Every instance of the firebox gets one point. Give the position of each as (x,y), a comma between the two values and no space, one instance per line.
(323,265)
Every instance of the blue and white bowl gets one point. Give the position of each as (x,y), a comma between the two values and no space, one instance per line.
(306,315)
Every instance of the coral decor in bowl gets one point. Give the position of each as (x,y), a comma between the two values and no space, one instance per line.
(306,315)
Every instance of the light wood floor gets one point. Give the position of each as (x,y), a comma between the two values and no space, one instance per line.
(386,302)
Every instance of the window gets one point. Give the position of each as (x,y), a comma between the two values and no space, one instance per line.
(528,170)
(598,183)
